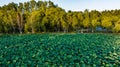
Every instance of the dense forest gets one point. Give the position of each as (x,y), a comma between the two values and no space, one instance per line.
(45,16)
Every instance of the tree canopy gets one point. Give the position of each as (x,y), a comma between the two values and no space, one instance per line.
(45,16)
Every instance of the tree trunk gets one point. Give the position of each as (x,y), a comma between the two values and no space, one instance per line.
(33,30)
(13,30)
(20,30)
(81,30)
(65,30)
(20,22)
(92,30)
(58,26)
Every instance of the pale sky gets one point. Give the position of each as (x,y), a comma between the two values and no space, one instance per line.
(78,5)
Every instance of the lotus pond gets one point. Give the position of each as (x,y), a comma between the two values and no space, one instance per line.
(60,50)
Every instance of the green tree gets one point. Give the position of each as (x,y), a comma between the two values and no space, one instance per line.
(94,24)
(106,22)
(116,28)
(1,20)
(75,22)
(45,16)
(64,23)
(69,20)
(86,21)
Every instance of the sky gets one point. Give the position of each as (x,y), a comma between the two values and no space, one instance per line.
(78,5)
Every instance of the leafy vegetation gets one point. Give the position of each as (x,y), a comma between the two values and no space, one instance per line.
(40,50)
(45,16)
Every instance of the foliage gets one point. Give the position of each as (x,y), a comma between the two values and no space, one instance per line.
(45,16)
(43,50)
(117,27)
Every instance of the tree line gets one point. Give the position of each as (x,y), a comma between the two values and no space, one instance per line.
(45,16)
